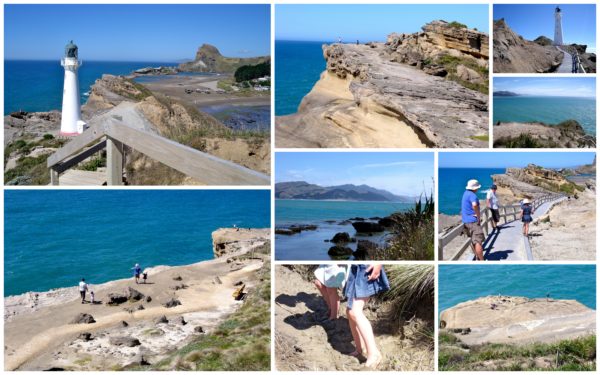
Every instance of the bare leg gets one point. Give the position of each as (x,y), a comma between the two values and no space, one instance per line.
(365,330)
(478,250)
(323,290)
(358,340)
(334,303)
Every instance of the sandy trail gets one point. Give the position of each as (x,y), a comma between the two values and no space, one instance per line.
(305,343)
(32,334)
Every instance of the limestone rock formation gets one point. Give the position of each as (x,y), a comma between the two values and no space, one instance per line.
(507,319)
(568,134)
(83,318)
(370,96)
(514,54)
(209,59)
(230,240)
(533,181)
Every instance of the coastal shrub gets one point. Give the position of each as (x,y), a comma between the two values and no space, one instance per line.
(48,136)
(250,72)
(410,285)
(522,141)
(412,234)
(457,25)
(568,355)
(32,167)
(450,63)
(93,164)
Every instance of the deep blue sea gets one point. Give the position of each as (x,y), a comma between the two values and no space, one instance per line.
(298,66)
(547,109)
(55,237)
(329,216)
(35,86)
(452,183)
(460,283)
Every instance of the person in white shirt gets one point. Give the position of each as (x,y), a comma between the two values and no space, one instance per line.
(492,204)
(83,287)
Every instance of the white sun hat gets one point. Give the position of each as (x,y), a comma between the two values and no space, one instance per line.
(473,185)
(526,201)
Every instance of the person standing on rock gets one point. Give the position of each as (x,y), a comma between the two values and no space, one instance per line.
(83,287)
(471,217)
(526,215)
(492,204)
(137,270)
(328,278)
(364,281)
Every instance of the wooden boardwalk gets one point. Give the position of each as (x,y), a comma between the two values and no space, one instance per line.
(509,243)
(76,177)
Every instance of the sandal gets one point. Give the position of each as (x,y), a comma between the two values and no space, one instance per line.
(373,365)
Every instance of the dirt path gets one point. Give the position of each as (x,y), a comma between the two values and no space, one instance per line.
(304,343)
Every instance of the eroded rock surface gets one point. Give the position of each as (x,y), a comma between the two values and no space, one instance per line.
(568,134)
(505,319)
(380,95)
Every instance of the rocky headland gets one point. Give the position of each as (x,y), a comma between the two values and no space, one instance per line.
(157,325)
(208,59)
(514,54)
(567,134)
(427,89)
(518,320)
(31,137)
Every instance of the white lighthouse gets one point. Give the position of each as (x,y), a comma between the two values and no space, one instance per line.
(558,40)
(71,123)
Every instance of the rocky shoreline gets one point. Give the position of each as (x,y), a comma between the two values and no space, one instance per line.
(415,90)
(567,134)
(134,324)
(518,320)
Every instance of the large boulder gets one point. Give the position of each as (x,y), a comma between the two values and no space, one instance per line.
(116,299)
(367,227)
(341,237)
(339,251)
(365,250)
(83,318)
(468,74)
(125,341)
(172,303)
(134,295)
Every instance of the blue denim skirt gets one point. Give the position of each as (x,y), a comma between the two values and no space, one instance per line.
(358,285)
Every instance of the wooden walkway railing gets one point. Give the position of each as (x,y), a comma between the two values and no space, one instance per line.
(507,213)
(114,135)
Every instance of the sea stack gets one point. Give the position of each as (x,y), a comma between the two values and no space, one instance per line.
(71,123)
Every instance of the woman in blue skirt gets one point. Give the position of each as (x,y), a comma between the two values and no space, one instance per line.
(363,282)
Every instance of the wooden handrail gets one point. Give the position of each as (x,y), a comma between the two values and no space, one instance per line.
(506,212)
(199,165)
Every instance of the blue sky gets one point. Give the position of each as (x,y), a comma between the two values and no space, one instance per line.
(513,159)
(533,20)
(372,22)
(548,86)
(160,33)
(402,173)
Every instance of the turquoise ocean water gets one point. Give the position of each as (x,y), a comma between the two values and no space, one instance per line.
(550,110)
(55,237)
(460,283)
(298,66)
(452,183)
(329,216)
(36,86)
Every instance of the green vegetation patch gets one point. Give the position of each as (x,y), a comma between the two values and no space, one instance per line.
(457,25)
(451,63)
(523,141)
(250,72)
(484,138)
(30,170)
(567,355)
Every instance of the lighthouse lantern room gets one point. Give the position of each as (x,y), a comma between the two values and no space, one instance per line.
(71,123)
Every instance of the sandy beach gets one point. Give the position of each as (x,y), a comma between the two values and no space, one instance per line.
(210,94)
(39,333)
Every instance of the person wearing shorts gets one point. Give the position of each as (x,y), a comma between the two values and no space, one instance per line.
(83,287)
(471,218)
(492,203)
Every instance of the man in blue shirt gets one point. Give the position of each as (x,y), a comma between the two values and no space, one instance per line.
(471,217)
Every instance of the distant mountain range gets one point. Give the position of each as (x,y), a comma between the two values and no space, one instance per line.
(363,193)
(505,93)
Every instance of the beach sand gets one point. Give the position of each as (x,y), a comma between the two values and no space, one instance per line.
(38,334)
(175,86)
(568,231)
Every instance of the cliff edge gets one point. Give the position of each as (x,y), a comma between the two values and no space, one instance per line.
(208,59)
